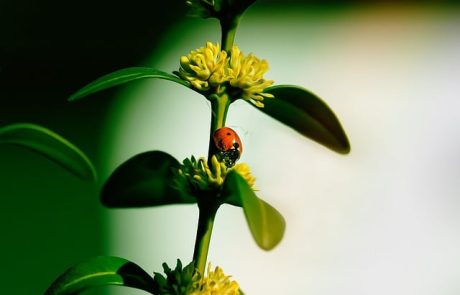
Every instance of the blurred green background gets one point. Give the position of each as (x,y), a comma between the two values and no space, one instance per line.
(48,49)
(50,220)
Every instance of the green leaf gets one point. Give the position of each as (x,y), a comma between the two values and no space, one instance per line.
(124,76)
(221,9)
(147,179)
(50,145)
(267,225)
(308,114)
(101,271)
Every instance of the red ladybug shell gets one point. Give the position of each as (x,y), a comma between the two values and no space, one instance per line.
(226,139)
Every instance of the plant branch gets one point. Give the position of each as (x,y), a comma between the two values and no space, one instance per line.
(203,237)
(208,205)
(219,108)
(228,33)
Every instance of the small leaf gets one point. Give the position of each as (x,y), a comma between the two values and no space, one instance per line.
(50,145)
(308,114)
(267,225)
(124,76)
(144,180)
(101,271)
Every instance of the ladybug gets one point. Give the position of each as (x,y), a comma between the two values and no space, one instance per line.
(228,144)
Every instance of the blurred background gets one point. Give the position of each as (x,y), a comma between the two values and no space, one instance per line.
(382,220)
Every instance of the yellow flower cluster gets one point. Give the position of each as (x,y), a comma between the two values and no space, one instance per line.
(211,69)
(204,177)
(204,67)
(247,74)
(216,283)
(244,170)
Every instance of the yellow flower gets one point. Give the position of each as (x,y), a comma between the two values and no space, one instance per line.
(199,176)
(211,70)
(215,283)
(204,67)
(244,170)
(246,73)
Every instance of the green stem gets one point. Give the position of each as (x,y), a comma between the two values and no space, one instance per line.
(208,206)
(219,108)
(203,237)
(228,33)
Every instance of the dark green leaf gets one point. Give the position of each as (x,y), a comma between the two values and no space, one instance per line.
(50,145)
(308,114)
(144,180)
(265,222)
(101,271)
(124,76)
(225,10)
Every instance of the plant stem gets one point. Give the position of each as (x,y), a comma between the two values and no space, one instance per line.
(219,108)
(208,205)
(228,33)
(203,237)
